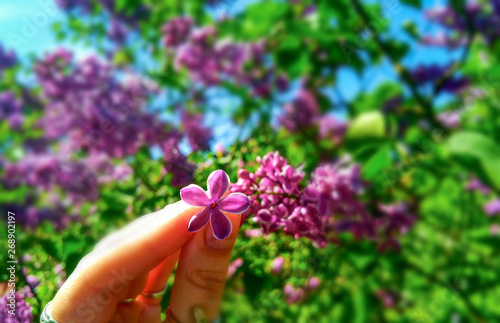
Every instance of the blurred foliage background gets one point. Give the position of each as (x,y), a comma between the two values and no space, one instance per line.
(381,205)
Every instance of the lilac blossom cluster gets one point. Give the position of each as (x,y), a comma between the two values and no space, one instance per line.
(476,16)
(492,207)
(303,112)
(211,60)
(87,105)
(11,109)
(22,312)
(425,74)
(294,295)
(328,204)
(78,179)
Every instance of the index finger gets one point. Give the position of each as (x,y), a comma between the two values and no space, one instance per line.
(125,255)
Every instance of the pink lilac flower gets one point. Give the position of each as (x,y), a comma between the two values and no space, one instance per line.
(387,298)
(396,219)
(279,201)
(314,283)
(331,128)
(92,109)
(214,203)
(476,184)
(211,60)
(277,265)
(483,21)
(443,40)
(450,119)
(492,207)
(176,31)
(293,295)
(117,31)
(253,233)
(237,263)
(494,229)
(22,313)
(301,112)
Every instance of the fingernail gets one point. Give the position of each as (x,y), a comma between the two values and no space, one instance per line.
(199,316)
(215,243)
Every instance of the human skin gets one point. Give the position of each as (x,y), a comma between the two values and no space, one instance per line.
(140,258)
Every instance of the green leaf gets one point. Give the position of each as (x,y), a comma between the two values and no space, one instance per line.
(414,3)
(480,154)
(377,164)
(369,125)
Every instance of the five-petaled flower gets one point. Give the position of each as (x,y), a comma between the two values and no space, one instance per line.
(213,203)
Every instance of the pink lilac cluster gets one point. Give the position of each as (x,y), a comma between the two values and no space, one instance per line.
(476,185)
(303,112)
(328,204)
(78,179)
(294,295)
(8,59)
(233,267)
(11,110)
(211,60)
(481,19)
(87,105)
(387,298)
(29,216)
(492,207)
(394,220)
(117,31)
(22,309)
(443,40)
(450,119)
(198,136)
(176,31)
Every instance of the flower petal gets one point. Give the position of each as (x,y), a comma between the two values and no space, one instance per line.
(218,184)
(194,195)
(235,203)
(221,224)
(198,221)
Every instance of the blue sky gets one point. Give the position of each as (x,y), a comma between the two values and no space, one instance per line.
(25,26)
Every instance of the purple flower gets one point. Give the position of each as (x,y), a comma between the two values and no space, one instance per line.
(450,119)
(492,207)
(176,31)
(301,112)
(476,184)
(218,184)
(314,283)
(237,263)
(293,295)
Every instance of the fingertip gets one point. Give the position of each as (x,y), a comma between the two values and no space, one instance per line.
(227,243)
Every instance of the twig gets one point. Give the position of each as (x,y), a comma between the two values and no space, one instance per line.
(402,71)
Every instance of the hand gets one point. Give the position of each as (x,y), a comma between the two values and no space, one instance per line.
(139,259)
